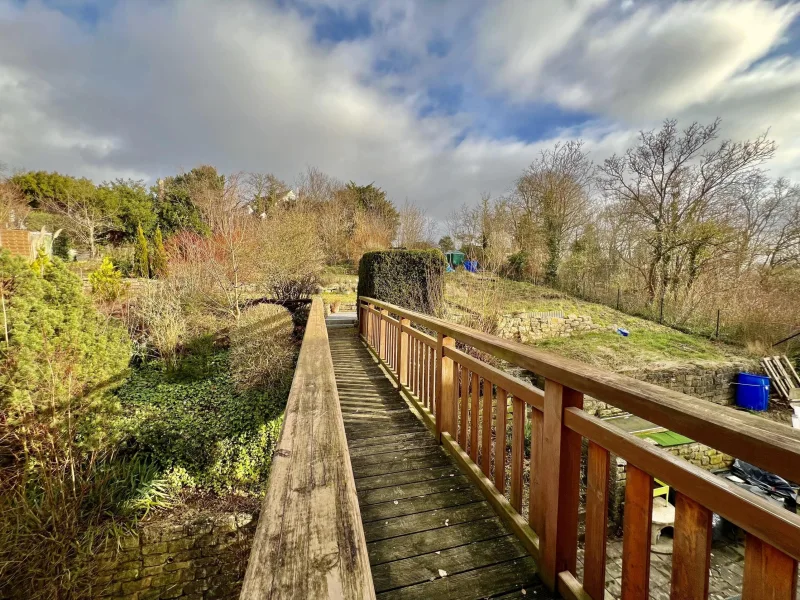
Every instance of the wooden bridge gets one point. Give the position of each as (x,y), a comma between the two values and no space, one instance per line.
(401,472)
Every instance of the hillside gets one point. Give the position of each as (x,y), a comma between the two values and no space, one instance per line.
(649,346)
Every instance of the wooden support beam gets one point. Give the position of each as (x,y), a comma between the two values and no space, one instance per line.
(446,418)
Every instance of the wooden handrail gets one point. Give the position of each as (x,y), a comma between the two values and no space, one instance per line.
(310,540)
(723,428)
(469,414)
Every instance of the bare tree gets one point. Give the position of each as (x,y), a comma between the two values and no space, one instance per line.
(552,199)
(416,228)
(674,185)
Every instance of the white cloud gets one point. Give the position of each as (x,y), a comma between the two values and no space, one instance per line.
(157,87)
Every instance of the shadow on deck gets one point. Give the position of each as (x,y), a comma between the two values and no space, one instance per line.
(430,532)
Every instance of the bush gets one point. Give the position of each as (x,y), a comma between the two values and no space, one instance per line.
(58,357)
(261,345)
(106,281)
(413,279)
(202,431)
(159,317)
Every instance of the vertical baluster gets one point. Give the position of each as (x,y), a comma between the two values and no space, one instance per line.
(691,550)
(425,374)
(768,572)
(383,353)
(500,417)
(536,500)
(445,414)
(561,466)
(594,578)
(430,358)
(517,451)
(368,321)
(402,351)
(636,521)
(464,408)
(473,418)
(415,362)
(486,434)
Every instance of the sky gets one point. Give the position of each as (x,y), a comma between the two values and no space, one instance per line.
(434,101)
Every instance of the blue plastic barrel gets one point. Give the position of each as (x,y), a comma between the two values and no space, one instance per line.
(752,391)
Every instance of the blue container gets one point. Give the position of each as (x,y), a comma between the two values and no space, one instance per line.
(752,391)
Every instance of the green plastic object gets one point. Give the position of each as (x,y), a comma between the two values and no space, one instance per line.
(665,439)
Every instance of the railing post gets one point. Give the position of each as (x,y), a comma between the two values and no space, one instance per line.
(446,417)
(561,464)
(402,351)
(368,324)
(382,348)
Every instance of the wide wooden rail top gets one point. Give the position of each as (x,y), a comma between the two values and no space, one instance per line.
(310,540)
(466,403)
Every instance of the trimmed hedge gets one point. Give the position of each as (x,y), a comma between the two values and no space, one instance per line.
(413,279)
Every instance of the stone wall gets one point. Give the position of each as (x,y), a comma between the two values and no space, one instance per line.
(201,557)
(529,326)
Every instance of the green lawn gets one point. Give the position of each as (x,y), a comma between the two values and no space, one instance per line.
(649,344)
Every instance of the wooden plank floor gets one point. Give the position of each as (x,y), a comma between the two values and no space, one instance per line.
(430,533)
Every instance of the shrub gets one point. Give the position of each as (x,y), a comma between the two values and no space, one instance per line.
(159,317)
(58,357)
(413,279)
(261,345)
(106,281)
(159,257)
(141,255)
(202,431)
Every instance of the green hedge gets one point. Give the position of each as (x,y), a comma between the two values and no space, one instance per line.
(412,279)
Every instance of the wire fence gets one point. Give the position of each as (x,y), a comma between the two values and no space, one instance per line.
(716,323)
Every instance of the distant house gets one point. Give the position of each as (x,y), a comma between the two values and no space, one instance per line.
(288,198)
(21,242)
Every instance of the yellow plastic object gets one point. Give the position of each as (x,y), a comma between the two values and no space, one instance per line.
(661,489)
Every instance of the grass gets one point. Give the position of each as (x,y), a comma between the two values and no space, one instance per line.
(331,297)
(649,345)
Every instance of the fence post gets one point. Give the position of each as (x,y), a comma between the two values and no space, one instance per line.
(560,482)
(402,351)
(446,417)
(383,351)
(716,332)
(618,293)
(370,341)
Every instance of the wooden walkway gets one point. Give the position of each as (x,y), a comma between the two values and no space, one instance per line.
(430,533)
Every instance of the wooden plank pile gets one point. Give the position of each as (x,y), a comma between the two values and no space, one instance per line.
(783,376)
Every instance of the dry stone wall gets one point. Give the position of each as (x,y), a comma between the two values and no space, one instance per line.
(199,558)
(526,327)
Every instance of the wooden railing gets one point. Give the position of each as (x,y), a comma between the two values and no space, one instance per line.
(465,402)
(310,541)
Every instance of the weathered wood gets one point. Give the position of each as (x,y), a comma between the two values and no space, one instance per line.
(402,351)
(435,540)
(410,490)
(420,569)
(637,518)
(400,465)
(536,499)
(561,448)
(501,505)
(474,425)
(517,452)
(516,387)
(446,417)
(477,583)
(768,573)
(421,504)
(310,511)
(720,427)
(383,480)
(750,512)
(427,521)
(594,575)
(486,429)
(691,550)
(500,416)
(462,437)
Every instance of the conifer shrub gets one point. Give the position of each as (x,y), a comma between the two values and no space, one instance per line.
(413,279)
(106,281)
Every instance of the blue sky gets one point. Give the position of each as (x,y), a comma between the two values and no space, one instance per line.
(436,101)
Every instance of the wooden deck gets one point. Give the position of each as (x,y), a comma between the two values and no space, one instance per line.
(430,532)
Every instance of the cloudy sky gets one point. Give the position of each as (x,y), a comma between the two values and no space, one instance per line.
(433,100)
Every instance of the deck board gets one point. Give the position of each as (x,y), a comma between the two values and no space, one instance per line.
(420,513)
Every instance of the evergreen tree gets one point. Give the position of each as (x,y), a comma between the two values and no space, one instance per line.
(159,258)
(141,254)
